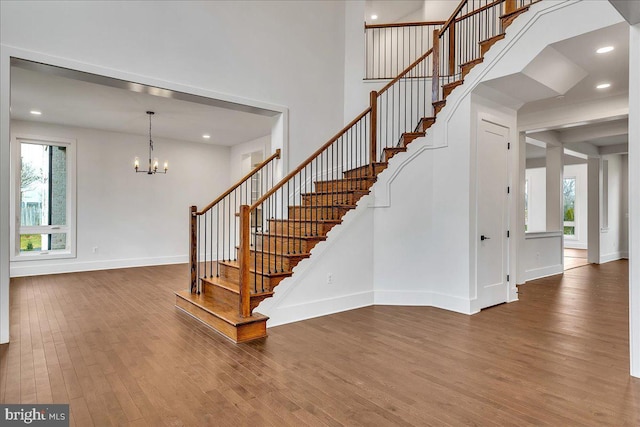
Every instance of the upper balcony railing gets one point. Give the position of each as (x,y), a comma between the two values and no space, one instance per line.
(391,48)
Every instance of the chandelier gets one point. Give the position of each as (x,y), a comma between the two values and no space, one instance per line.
(153,163)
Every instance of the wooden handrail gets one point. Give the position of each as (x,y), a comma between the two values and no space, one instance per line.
(403,24)
(291,174)
(452,17)
(406,70)
(478,10)
(276,155)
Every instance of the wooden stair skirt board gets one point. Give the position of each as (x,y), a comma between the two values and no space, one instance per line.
(449,87)
(508,18)
(224,319)
(467,66)
(485,45)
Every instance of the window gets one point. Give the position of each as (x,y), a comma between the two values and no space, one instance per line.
(569,195)
(44,208)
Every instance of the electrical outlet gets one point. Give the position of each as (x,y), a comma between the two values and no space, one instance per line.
(329,278)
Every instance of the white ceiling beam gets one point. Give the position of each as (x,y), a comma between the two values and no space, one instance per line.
(584,148)
(611,108)
(588,133)
(614,149)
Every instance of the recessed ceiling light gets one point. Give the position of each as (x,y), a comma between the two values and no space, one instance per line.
(605,49)
(36,112)
(206,136)
(603,85)
(374,17)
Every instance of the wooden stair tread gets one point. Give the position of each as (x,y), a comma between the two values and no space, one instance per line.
(232,286)
(473,61)
(323,206)
(235,264)
(493,39)
(229,314)
(347,179)
(291,236)
(322,221)
(320,193)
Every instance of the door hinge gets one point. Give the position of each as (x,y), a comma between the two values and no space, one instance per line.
(507,233)
(508,190)
(507,277)
(508,146)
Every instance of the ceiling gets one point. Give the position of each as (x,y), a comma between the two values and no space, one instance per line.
(611,67)
(391,10)
(564,76)
(110,106)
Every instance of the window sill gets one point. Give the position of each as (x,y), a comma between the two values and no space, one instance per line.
(39,256)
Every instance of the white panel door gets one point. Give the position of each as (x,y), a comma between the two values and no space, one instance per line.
(492,214)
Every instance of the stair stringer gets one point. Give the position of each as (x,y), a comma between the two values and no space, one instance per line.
(444,156)
(346,255)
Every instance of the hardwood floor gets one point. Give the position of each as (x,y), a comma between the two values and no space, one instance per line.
(112,345)
(574,258)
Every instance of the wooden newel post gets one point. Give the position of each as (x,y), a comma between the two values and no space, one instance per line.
(193,248)
(435,79)
(244,261)
(373,136)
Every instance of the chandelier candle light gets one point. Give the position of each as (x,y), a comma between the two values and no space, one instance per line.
(153,164)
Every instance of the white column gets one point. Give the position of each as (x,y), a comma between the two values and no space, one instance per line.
(4,197)
(634,199)
(555,218)
(593,227)
(519,233)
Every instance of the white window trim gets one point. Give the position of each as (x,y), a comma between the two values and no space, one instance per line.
(70,228)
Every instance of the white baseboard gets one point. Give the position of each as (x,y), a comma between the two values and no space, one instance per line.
(42,267)
(539,273)
(614,256)
(282,315)
(423,298)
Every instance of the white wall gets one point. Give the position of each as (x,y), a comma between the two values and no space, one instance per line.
(537,180)
(132,219)
(241,150)
(202,45)
(542,255)
(438,10)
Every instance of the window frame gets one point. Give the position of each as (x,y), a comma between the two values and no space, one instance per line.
(69,228)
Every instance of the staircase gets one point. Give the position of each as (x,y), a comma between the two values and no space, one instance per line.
(243,244)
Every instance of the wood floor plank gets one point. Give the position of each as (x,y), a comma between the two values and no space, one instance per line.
(112,345)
